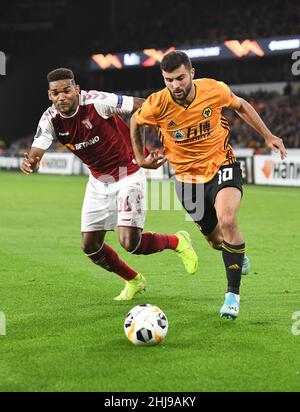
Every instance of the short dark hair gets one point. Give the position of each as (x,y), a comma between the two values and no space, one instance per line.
(60,74)
(175,59)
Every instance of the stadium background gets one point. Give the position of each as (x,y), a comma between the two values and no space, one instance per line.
(40,35)
(37,36)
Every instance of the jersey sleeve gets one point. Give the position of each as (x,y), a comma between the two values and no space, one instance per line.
(145,115)
(228,98)
(44,134)
(108,104)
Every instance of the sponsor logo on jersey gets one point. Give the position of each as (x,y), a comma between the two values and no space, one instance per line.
(83,145)
(193,133)
(179,134)
(87,124)
(64,134)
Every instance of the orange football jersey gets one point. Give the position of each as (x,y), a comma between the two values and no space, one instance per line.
(195,138)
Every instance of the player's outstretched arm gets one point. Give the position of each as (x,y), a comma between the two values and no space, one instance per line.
(31,160)
(250,116)
(155,159)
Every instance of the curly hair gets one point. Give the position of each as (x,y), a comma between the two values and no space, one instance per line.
(175,59)
(60,74)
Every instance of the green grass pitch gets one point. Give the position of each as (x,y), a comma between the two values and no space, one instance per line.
(64,332)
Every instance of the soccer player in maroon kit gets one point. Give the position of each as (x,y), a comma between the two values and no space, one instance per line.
(87,123)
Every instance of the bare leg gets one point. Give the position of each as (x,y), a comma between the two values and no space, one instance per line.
(227,205)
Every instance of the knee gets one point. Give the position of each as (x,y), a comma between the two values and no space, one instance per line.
(227,221)
(89,247)
(128,243)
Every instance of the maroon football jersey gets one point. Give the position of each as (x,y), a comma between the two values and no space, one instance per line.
(95,133)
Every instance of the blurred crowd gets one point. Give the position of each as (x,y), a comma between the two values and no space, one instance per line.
(164,23)
(281,114)
(136,25)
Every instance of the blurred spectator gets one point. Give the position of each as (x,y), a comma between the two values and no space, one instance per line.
(152,23)
(136,25)
(2,146)
(280,113)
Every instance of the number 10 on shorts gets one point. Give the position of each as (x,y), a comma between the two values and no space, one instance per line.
(224,175)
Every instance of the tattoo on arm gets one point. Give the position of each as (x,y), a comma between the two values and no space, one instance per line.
(139,140)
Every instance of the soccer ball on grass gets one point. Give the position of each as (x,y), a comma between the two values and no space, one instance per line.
(146,325)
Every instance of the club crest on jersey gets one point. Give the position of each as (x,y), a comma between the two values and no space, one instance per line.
(207,112)
(87,124)
(179,134)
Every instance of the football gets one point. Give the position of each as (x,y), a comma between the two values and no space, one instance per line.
(146,325)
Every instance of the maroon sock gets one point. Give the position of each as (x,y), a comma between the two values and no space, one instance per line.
(109,260)
(155,242)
